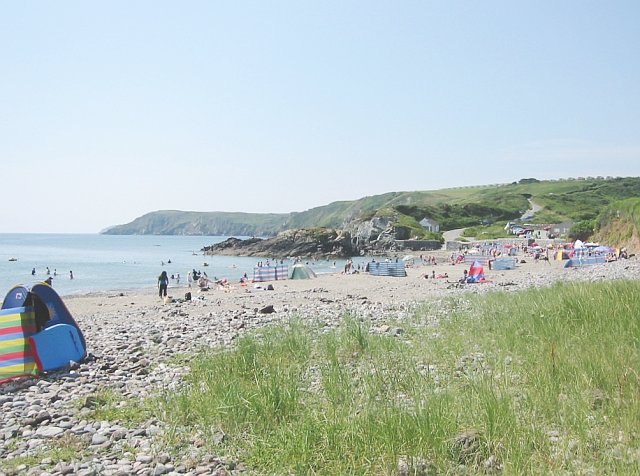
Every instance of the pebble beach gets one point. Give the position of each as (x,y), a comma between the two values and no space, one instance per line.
(134,337)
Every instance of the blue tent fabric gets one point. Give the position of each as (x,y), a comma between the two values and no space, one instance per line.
(50,315)
(20,296)
(588,261)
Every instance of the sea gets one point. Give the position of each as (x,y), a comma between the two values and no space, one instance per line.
(106,263)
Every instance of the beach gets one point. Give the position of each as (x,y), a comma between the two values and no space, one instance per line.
(137,343)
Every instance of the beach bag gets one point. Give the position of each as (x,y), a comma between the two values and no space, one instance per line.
(187,296)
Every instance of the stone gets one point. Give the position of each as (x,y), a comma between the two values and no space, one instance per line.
(159,469)
(49,431)
(98,439)
(144,459)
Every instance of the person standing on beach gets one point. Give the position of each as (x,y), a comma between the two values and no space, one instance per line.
(70,274)
(163,283)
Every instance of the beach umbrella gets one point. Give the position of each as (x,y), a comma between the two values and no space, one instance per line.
(603,249)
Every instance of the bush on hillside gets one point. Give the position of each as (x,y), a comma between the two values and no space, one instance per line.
(582,230)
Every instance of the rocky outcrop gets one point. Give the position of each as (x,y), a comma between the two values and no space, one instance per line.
(375,235)
(323,242)
(369,237)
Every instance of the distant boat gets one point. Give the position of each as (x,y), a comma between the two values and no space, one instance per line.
(13,259)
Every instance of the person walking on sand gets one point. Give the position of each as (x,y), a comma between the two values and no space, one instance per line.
(163,283)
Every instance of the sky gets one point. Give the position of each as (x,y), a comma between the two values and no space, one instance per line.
(111,110)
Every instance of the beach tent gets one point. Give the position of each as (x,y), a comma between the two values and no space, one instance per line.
(580,262)
(476,273)
(37,333)
(301,271)
(603,249)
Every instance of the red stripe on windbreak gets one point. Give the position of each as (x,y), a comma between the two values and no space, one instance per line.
(11,330)
(16,355)
(36,357)
(17,329)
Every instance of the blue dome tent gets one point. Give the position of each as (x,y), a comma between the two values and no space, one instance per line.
(37,333)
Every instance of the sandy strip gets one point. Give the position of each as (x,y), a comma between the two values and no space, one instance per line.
(338,286)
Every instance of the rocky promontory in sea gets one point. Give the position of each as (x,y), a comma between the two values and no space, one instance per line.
(315,242)
(367,238)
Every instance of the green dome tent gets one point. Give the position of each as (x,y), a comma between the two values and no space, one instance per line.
(301,271)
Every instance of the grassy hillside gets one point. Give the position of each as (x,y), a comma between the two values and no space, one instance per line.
(453,208)
(175,222)
(619,224)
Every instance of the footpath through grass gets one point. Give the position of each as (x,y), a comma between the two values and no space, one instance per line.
(537,382)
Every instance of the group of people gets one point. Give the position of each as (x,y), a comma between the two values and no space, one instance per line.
(49,279)
(436,276)
(429,260)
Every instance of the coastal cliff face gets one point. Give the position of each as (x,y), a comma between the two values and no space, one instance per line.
(174,222)
(375,235)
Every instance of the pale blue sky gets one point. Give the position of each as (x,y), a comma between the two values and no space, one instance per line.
(109,110)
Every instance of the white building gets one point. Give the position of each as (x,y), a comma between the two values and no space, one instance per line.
(430,225)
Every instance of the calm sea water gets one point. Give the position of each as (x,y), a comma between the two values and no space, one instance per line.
(113,263)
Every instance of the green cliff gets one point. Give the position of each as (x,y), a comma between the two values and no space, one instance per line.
(561,200)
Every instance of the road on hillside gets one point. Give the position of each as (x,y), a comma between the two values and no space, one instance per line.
(451,235)
(529,214)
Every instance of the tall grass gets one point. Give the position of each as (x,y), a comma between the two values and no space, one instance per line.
(538,382)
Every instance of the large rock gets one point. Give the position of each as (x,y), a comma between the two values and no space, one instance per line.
(320,242)
(373,236)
